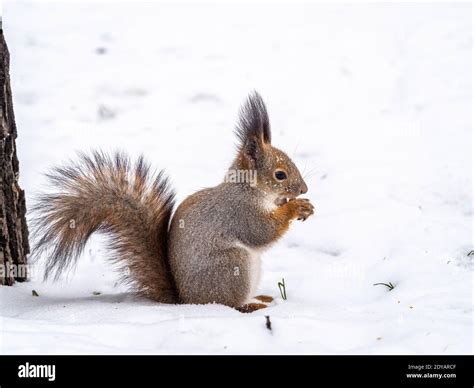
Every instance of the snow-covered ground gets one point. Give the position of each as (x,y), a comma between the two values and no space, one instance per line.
(372,101)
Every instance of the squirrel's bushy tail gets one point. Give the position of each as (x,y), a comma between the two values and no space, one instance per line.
(109,194)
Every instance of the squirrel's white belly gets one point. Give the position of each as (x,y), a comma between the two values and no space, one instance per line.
(255,270)
(254,266)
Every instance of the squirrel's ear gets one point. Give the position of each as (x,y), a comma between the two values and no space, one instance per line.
(253,128)
(252,149)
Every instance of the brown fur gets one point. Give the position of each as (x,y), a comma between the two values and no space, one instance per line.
(251,307)
(298,208)
(264,298)
(109,195)
(209,252)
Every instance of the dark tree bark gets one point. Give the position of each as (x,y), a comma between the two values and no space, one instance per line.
(13,229)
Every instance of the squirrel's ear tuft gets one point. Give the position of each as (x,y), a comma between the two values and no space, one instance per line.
(253,127)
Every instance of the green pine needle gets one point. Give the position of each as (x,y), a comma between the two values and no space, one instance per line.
(282,287)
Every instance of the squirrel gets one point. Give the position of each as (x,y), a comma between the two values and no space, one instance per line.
(208,251)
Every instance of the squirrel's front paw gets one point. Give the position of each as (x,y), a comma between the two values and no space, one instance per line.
(304,208)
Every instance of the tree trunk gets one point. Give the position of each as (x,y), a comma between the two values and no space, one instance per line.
(13,230)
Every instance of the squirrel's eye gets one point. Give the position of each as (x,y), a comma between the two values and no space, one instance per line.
(280,175)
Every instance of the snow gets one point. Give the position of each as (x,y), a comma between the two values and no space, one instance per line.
(373,102)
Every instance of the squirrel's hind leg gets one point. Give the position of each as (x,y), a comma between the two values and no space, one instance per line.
(251,307)
(264,298)
(254,306)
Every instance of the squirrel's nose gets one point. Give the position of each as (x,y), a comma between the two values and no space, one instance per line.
(304,189)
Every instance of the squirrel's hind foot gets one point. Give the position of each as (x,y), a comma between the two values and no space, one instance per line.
(251,307)
(254,306)
(264,298)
